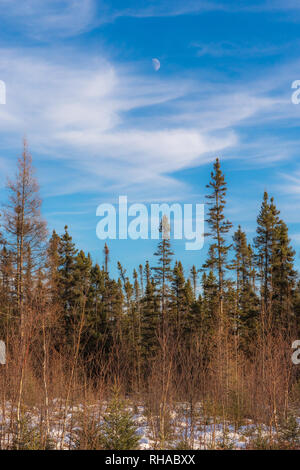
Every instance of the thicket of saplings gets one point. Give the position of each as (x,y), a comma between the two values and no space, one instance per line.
(191,357)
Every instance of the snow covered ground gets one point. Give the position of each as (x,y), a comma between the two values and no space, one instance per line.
(180,433)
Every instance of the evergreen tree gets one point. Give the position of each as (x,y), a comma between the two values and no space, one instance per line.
(141,279)
(209,303)
(219,227)
(284,277)
(194,275)
(246,302)
(66,283)
(113,311)
(149,317)
(94,336)
(131,320)
(119,431)
(67,261)
(53,263)
(178,296)
(163,272)
(81,276)
(7,291)
(137,326)
(265,241)
(183,306)
(192,313)
(106,257)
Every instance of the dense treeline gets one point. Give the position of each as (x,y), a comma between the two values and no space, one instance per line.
(210,328)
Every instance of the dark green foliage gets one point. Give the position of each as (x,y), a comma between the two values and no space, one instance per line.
(284,278)
(274,260)
(66,270)
(289,432)
(150,316)
(219,227)
(119,431)
(246,309)
(163,271)
(179,300)
(265,244)
(28,436)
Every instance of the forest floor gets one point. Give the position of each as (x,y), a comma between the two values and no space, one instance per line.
(182,430)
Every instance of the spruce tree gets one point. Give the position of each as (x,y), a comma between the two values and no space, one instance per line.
(192,313)
(7,291)
(194,276)
(137,325)
(131,321)
(81,276)
(149,317)
(66,290)
(284,278)
(246,302)
(163,271)
(219,227)
(119,431)
(94,336)
(265,241)
(53,262)
(209,315)
(67,259)
(178,305)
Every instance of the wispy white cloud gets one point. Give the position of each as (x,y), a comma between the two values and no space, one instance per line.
(82,114)
(295,237)
(50,18)
(234,49)
(267,5)
(89,114)
(164,8)
(290,183)
(168,8)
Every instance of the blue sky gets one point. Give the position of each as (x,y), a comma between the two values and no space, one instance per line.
(101,122)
